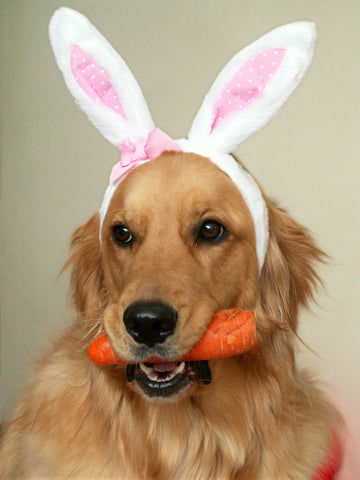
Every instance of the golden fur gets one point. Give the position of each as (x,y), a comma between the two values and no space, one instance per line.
(261,418)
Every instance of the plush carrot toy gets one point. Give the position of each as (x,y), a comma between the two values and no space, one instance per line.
(230,333)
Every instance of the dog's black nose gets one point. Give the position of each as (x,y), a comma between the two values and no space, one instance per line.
(150,322)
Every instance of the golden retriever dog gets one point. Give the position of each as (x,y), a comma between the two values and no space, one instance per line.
(259,418)
(177,242)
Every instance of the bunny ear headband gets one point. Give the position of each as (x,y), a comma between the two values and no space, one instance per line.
(247,93)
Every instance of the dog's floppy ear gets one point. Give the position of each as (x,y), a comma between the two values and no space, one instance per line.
(98,78)
(288,277)
(87,279)
(252,87)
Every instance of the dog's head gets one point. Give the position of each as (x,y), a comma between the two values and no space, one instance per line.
(190,232)
(178,244)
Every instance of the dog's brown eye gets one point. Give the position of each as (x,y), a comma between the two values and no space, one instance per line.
(211,231)
(122,235)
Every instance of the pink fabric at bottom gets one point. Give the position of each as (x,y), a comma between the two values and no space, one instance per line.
(331,465)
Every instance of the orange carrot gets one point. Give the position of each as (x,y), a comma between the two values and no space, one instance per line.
(231,332)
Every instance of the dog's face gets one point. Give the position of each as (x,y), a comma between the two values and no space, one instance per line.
(178,244)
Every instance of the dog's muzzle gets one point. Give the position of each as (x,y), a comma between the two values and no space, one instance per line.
(151,323)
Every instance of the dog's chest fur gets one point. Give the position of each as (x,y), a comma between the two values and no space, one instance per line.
(115,435)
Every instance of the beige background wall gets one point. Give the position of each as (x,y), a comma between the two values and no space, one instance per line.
(55,166)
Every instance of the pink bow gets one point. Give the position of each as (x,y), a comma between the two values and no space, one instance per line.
(148,148)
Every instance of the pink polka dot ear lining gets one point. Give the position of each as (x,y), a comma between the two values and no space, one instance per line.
(95,82)
(247,93)
(247,84)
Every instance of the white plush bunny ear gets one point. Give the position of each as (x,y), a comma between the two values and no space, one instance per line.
(252,87)
(98,78)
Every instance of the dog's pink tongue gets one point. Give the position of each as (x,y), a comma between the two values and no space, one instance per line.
(165,367)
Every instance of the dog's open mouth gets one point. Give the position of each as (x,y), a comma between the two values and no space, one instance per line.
(167,380)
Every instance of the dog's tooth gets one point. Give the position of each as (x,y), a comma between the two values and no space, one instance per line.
(149,372)
(145,369)
(180,368)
